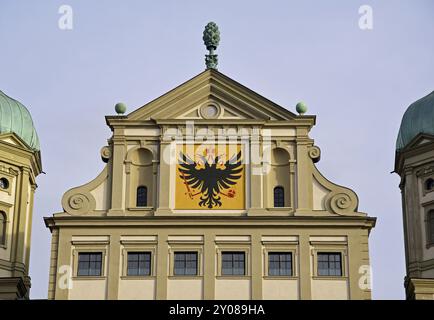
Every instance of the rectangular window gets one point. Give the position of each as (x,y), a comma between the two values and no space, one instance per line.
(185,264)
(139,264)
(280,264)
(329,264)
(89,264)
(233,263)
(431,226)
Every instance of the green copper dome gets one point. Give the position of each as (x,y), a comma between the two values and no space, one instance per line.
(14,117)
(419,118)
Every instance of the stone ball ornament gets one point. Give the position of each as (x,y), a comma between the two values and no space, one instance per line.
(120,108)
(301,107)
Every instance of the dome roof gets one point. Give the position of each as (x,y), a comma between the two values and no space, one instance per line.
(14,117)
(419,118)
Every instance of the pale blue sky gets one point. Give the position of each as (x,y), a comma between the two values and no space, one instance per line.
(358,83)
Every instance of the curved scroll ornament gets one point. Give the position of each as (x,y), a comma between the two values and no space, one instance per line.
(78,203)
(314,153)
(341,202)
(105,154)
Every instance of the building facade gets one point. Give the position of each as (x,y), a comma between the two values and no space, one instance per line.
(210,192)
(415,165)
(20,163)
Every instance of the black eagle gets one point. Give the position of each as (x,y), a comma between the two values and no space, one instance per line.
(210,180)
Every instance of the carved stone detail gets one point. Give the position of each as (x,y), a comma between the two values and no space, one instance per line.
(314,153)
(106,153)
(340,202)
(78,203)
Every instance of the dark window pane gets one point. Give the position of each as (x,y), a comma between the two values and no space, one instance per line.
(89,264)
(329,264)
(280,264)
(142,196)
(139,264)
(233,263)
(431,225)
(279,197)
(185,263)
(429,184)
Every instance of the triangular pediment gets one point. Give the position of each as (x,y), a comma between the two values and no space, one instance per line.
(420,140)
(211,95)
(13,139)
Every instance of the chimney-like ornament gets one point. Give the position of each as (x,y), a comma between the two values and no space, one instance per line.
(211,39)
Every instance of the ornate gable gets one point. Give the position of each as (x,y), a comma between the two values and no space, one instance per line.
(211,95)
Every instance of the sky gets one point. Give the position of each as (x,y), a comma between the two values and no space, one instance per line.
(357,81)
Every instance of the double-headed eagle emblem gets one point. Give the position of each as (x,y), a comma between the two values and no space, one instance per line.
(211,178)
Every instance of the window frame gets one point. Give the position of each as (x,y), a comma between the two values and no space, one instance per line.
(232,253)
(185,261)
(130,252)
(3,228)
(425,184)
(282,189)
(429,226)
(187,246)
(330,247)
(276,252)
(138,246)
(11,180)
(137,196)
(94,247)
(329,254)
(89,252)
(233,247)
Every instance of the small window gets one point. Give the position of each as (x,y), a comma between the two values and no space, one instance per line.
(429,184)
(233,263)
(89,264)
(2,228)
(431,226)
(329,264)
(185,264)
(280,264)
(279,197)
(142,196)
(4,183)
(139,264)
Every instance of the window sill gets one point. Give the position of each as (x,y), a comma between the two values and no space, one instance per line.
(186,277)
(138,277)
(89,278)
(280,277)
(329,278)
(234,277)
(141,208)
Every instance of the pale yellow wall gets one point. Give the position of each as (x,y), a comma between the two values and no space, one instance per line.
(185,289)
(280,289)
(136,289)
(329,290)
(88,290)
(5,273)
(232,289)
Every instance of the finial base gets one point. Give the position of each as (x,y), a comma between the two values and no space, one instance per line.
(211,61)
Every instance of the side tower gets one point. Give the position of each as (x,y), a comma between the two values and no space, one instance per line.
(20,163)
(414,162)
